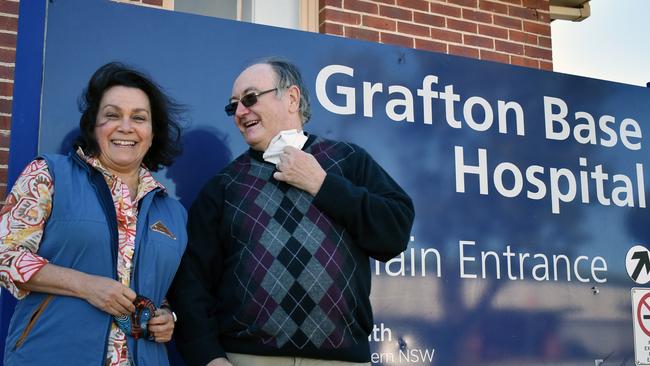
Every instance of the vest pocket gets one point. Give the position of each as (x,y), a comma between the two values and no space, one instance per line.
(35,315)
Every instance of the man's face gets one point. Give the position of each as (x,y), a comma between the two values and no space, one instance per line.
(260,122)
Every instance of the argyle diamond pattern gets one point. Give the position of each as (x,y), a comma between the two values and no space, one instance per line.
(295,267)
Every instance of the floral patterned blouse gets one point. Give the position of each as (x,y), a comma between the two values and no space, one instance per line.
(23,218)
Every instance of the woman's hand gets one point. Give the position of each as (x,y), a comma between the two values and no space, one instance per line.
(104,293)
(108,295)
(161,326)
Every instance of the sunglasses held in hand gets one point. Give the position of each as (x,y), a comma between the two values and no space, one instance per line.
(247,100)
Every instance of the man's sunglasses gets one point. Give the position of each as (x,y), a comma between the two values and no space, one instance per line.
(247,100)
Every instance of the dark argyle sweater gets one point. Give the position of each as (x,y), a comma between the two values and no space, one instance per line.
(271,270)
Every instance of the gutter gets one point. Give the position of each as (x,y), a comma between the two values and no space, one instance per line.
(576,14)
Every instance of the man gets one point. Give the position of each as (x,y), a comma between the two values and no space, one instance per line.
(277,268)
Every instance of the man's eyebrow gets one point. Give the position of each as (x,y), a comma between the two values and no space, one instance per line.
(246,91)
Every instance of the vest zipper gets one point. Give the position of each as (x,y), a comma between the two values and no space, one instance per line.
(110,318)
(134,282)
(106,201)
(108,333)
(136,257)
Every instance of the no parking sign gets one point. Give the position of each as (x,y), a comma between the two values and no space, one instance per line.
(641,316)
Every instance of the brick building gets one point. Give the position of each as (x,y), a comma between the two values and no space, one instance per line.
(516,32)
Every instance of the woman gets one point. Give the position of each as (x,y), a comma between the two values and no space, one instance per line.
(84,234)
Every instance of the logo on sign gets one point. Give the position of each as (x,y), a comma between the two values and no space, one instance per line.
(637,263)
(643,314)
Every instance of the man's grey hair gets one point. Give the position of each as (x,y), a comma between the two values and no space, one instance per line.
(288,75)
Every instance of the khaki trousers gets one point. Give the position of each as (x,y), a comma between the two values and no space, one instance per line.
(238,359)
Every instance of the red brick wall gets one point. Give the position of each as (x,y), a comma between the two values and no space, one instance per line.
(516,32)
(8,32)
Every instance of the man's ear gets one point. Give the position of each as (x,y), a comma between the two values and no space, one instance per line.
(294,98)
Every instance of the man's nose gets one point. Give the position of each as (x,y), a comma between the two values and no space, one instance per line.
(241,109)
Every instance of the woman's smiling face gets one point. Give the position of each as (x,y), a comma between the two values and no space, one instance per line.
(124,129)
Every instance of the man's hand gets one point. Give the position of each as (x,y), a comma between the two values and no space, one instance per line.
(300,169)
(219,362)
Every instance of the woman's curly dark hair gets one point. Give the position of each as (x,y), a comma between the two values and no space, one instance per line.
(165,113)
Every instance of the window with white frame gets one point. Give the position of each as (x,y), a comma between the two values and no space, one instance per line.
(294,14)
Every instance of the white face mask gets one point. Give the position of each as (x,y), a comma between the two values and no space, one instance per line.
(292,138)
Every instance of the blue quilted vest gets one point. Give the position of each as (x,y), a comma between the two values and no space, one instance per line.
(81,233)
